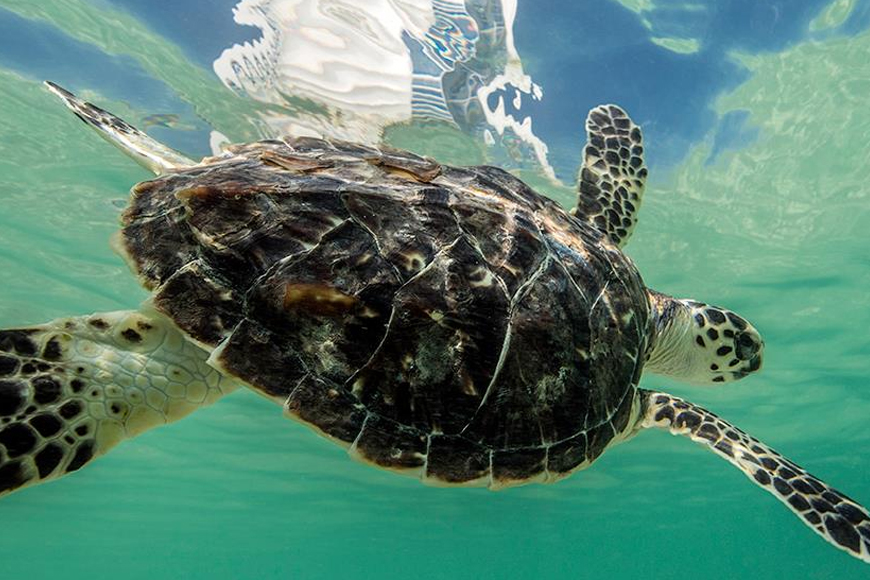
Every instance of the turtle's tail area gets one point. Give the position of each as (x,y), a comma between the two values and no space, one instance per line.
(73,388)
(838,519)
(147,152)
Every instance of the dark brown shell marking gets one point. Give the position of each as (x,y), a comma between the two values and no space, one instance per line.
(445,321)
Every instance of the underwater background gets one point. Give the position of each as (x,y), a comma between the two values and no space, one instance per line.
(755,114)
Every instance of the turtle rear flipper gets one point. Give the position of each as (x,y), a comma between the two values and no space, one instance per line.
(144,150)
(837,518)
(73,388)
(613,175)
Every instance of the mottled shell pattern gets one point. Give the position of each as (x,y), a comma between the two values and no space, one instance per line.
(446,322)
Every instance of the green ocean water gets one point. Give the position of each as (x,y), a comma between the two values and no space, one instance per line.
(778,230)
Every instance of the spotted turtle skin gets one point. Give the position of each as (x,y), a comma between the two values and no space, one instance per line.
(446,322)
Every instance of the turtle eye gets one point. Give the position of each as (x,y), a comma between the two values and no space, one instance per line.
(747,346)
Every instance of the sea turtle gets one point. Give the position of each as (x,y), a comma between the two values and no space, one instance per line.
(443,322)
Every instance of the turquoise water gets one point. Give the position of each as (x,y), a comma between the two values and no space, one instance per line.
(756,123)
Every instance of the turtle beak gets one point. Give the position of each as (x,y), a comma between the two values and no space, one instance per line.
(749,347)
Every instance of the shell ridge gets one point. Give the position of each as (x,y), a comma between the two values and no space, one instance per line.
(374,237)
(507,340)
(475,244)
(389,326)
(567,272)
(291,259)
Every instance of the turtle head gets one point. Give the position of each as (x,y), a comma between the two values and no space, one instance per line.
(702,344)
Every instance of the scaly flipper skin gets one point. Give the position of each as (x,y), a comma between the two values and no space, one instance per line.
(73,388)
(147,152)
(613,175)
(832,515)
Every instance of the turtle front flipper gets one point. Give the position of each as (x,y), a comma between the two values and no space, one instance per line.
(838,519)
(73,388)
(144,150)
(613,174)
(700,343)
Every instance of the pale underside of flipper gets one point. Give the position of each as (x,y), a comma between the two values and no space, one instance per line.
(613,174)
(143,149)
(73,388)
(837,518)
